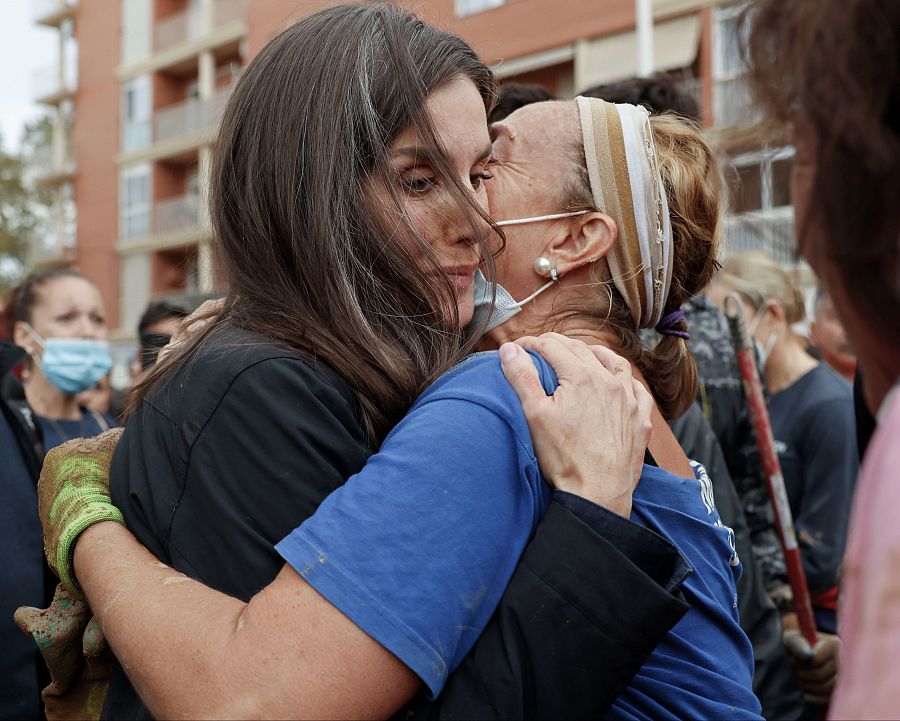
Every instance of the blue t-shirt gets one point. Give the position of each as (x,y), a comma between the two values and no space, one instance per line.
(58,431)
(458,493)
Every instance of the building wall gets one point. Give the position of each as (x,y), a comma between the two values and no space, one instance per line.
(517,29)
(96,143)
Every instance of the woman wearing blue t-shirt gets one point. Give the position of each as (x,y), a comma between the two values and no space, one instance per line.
(399,571)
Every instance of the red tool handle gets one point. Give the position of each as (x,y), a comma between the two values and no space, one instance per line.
(784,521)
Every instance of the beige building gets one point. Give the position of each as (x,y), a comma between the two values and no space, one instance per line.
(132,136)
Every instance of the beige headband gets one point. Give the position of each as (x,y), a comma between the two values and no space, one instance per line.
(626,185)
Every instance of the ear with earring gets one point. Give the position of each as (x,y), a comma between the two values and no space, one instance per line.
(543,267)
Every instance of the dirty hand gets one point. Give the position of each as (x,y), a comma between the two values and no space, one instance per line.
(591,434)
(75,652)
(205,314)
(815,668)
(73,494)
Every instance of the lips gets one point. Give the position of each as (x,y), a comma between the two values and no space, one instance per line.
(461,276)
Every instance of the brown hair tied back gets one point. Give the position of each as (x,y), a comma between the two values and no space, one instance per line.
(693,183)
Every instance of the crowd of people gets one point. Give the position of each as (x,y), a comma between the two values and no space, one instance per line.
(467,436)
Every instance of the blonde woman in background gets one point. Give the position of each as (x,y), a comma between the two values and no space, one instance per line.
(811,409)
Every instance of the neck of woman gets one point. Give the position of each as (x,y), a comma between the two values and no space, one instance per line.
(48,401)
(664,447)
(787,363)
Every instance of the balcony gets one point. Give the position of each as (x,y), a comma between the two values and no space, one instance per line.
(771,231)
(176,215)
(173,223)
(188,117)
(176,131)
(52,13)
(52,85)
(188,25)
(52,166)
(179,38)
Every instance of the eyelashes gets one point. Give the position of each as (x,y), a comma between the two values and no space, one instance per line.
(422,184)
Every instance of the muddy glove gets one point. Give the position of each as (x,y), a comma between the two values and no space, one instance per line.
(73,494)
(76,655)
(815,668)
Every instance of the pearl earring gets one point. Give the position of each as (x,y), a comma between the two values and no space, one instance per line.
(542,266)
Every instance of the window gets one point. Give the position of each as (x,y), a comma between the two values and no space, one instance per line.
(761,180)
(731,31)
(469,7)
(137,109)
(134,201)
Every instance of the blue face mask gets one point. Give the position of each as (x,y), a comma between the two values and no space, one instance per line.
(505,306)
(73,365)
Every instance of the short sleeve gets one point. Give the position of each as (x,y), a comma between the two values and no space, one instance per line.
(418,547)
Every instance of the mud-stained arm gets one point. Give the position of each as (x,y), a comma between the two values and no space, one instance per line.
(192,652)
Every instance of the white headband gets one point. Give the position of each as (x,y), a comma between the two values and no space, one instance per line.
(626,185)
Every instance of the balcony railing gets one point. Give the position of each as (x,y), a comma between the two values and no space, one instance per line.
(733,104)
(51,164)
(189,25)
(182,213)
(50,12)
(187,117)
(49,85)
(771,231)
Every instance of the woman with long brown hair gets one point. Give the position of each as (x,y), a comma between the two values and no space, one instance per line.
(348,204)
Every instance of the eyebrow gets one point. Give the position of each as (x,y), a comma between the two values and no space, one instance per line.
(415,151)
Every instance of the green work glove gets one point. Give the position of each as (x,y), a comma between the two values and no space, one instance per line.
(73,494)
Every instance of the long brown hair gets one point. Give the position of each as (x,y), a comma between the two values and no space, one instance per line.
(836,65)
(311,259)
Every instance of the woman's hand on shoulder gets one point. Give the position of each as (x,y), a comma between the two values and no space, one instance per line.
(591,434)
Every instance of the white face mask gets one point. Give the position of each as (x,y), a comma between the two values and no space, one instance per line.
(763,351)
(505,306)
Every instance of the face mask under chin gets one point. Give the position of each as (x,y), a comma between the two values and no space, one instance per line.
(505,306)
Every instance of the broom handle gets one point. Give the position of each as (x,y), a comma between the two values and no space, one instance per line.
(784,521)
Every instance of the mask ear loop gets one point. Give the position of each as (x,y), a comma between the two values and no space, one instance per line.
(555,216)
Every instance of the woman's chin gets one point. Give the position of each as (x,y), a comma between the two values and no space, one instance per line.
(465,309)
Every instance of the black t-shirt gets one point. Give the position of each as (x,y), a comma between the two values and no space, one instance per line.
(812,421)
(226,458)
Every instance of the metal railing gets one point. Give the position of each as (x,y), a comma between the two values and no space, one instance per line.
(48,160)
(733,104)
(771,231)
(174,214)
(189,116)
(189,24)
(47,82)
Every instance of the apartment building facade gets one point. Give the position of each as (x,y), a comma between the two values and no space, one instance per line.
(153,76)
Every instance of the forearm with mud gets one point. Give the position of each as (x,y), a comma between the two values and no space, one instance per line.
(193,652)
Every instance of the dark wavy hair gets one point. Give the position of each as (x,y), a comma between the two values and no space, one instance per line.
(312,259)
(836,64)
